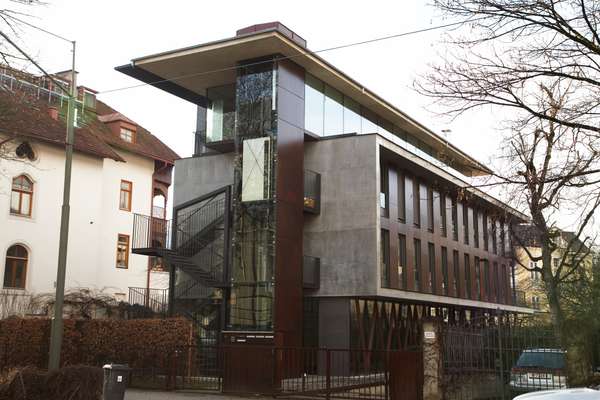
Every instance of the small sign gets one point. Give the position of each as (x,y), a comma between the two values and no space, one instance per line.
(119,378)
(429,335)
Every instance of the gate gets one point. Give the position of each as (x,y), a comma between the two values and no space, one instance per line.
(406,375)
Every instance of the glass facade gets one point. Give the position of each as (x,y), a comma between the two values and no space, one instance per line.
(252,276)
(220,113)
(327,112)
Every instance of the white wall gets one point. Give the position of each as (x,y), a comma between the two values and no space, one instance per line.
(95,220)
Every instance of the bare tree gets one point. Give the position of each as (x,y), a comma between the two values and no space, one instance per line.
(540,61)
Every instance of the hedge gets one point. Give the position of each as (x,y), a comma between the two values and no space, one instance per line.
(25,342)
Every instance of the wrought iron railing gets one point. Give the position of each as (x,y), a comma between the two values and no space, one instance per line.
(157,300)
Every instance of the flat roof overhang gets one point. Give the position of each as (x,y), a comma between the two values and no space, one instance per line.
(188,72)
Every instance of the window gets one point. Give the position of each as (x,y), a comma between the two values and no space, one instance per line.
(555,263)
(502,239)
(455,278)
(15,270)
(385,258)
(24,150)
(127,135)
(487,280)
(220,113)
(431,260)
(444,271)
(486,233)
(416,203)
(468,277)
(454,220)
(535,302)
(401,198)
(494,238)
(443,213)
(465,221)
(477,279)
(383,190)
(417,264)
(125,195)
(256,169)
(534,271)
(497,288)
(402,260)
(123,251)
(430,209)
(475,228)
(21,198)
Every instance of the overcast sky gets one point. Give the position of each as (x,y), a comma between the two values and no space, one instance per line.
(110,33)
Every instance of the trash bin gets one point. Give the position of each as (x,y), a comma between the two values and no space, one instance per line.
(115,381)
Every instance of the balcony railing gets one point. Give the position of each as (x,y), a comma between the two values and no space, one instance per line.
(312,192)
(151,232)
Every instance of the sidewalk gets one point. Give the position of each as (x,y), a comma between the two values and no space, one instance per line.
(134,394)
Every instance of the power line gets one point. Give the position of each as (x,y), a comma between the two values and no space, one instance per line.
(303,53)
(8,14)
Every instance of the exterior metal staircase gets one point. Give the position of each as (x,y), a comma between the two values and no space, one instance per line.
(194,247)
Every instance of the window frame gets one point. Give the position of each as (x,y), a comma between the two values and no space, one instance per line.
(21,193)
(133,134)
(14,260)
(130,194)
(126,251)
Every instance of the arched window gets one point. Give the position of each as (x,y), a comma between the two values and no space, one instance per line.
(15,270)
(21,196)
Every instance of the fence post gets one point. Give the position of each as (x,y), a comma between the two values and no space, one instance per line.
(327,374)
(501,355)
(432,360)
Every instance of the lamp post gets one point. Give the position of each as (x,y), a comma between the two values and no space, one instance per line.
(56,334)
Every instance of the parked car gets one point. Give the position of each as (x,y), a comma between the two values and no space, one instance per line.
(539,369)
(565,394)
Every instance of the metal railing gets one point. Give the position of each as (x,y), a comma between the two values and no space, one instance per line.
(150,232)
(156,300)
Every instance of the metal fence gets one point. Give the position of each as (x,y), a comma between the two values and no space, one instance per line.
(500,358)
(285,372)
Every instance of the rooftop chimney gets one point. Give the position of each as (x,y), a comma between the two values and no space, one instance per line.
(53,112)
(273,26)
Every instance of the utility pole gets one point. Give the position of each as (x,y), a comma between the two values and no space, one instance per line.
(57,322)
(56,334)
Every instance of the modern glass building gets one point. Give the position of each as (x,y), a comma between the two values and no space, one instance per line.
(313,212)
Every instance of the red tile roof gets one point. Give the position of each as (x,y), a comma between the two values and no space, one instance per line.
(22,114)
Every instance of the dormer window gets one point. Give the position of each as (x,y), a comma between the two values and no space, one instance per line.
(127,135)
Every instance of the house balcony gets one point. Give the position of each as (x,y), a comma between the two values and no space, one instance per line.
(151,235)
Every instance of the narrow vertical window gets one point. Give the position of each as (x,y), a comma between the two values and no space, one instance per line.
(21,196)
(486,233)
(383,191)
(497,287)
(385,258)
(456,277)
(125,195)
(431,260)
(444,271)
(416,203)
(465,221)
(401,197)
(502,239)
(15,269)
(417,264)
(430,209)
(443,213)
(123,251)
(494,237)
(503,283)
(475,228)
(487,280)
(402,261)
(477,279)
(468,286)
(454,220)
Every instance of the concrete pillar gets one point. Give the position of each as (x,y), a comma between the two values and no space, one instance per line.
(432,360)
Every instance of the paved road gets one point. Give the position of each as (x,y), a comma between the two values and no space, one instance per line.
(133,394)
